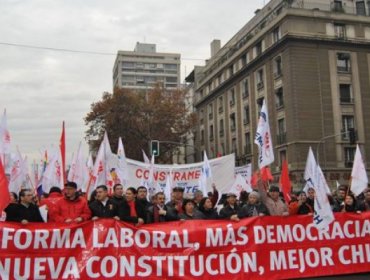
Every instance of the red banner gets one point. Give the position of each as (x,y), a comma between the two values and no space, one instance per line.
(254,248)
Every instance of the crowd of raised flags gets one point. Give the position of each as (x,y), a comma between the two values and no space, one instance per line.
(110,168)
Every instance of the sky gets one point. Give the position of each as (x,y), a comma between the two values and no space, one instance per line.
(40,88)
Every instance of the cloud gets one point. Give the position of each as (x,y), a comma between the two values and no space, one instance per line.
(41,88)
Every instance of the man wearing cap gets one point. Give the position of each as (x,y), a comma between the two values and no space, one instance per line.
(177,200)
(72,208)
(230,210)
(272,200)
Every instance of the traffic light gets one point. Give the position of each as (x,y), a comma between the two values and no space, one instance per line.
(154,147)
(352,136)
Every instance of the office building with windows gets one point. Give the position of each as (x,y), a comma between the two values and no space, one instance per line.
(144,67)
(310,61)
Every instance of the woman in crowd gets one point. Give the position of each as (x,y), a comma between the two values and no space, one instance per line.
(130,210)
(207,209)
(254,207)
(189,212)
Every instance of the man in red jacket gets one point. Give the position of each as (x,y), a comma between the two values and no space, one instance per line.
(72,208)
(55,195)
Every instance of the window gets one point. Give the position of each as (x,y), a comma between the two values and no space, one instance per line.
(246,115)
(244,60)
(210,111)
(258,48)
(279,98)
(277,67)
(128,64)
(259,79)
(201,116)
(170,66)
(348,121)
(276,35)
(211,132)
(345,93)
(171,79)
(202,137)
(349,155)
(281,132)
(232,122)
(231,70)
(220,104)
(219,80)
(233,146)
(232,97)
(222,148)
(221,129)
(259,104)
(340,30)
(245,88)
(343,62)
(360,8)
(247,148)
(337,6)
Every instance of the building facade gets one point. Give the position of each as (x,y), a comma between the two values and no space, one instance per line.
(310,61)
(144,67)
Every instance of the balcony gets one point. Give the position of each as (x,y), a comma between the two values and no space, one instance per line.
(347,100)
(260,85)
(220,109)
(281,138)
(221,133)
(277,75)
(344,69)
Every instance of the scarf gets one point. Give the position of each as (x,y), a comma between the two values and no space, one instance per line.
(132,208)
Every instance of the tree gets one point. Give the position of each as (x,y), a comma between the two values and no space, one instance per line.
(139,117)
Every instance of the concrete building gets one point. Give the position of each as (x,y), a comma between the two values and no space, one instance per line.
(310,61)
(144,67)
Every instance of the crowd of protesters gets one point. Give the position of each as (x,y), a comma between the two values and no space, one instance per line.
(132,205)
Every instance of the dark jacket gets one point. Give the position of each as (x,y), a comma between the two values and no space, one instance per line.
(171,215)
(250,210)
(125,215)
(210,214)
(227,211)
(144,202)
(98,209)
(118,200)
(20,212)
(197,215)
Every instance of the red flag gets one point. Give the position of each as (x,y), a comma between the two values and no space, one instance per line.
(266,174)
(62,145)
(285,184)
(255,178)
(4,197)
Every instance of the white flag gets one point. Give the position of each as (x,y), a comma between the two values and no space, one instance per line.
(168,188)
(101,173)
(53,173)
(5,144)
(150,183)
(323,214)
(240,185)
(206,173)
(145,157)
(122,166)
(78,170)
(359,178)
(263,139)
(246,172)
(17,175)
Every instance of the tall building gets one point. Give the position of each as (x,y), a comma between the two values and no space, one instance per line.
(144,67)
(310,61)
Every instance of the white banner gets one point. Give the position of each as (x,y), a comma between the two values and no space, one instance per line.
(186,175)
